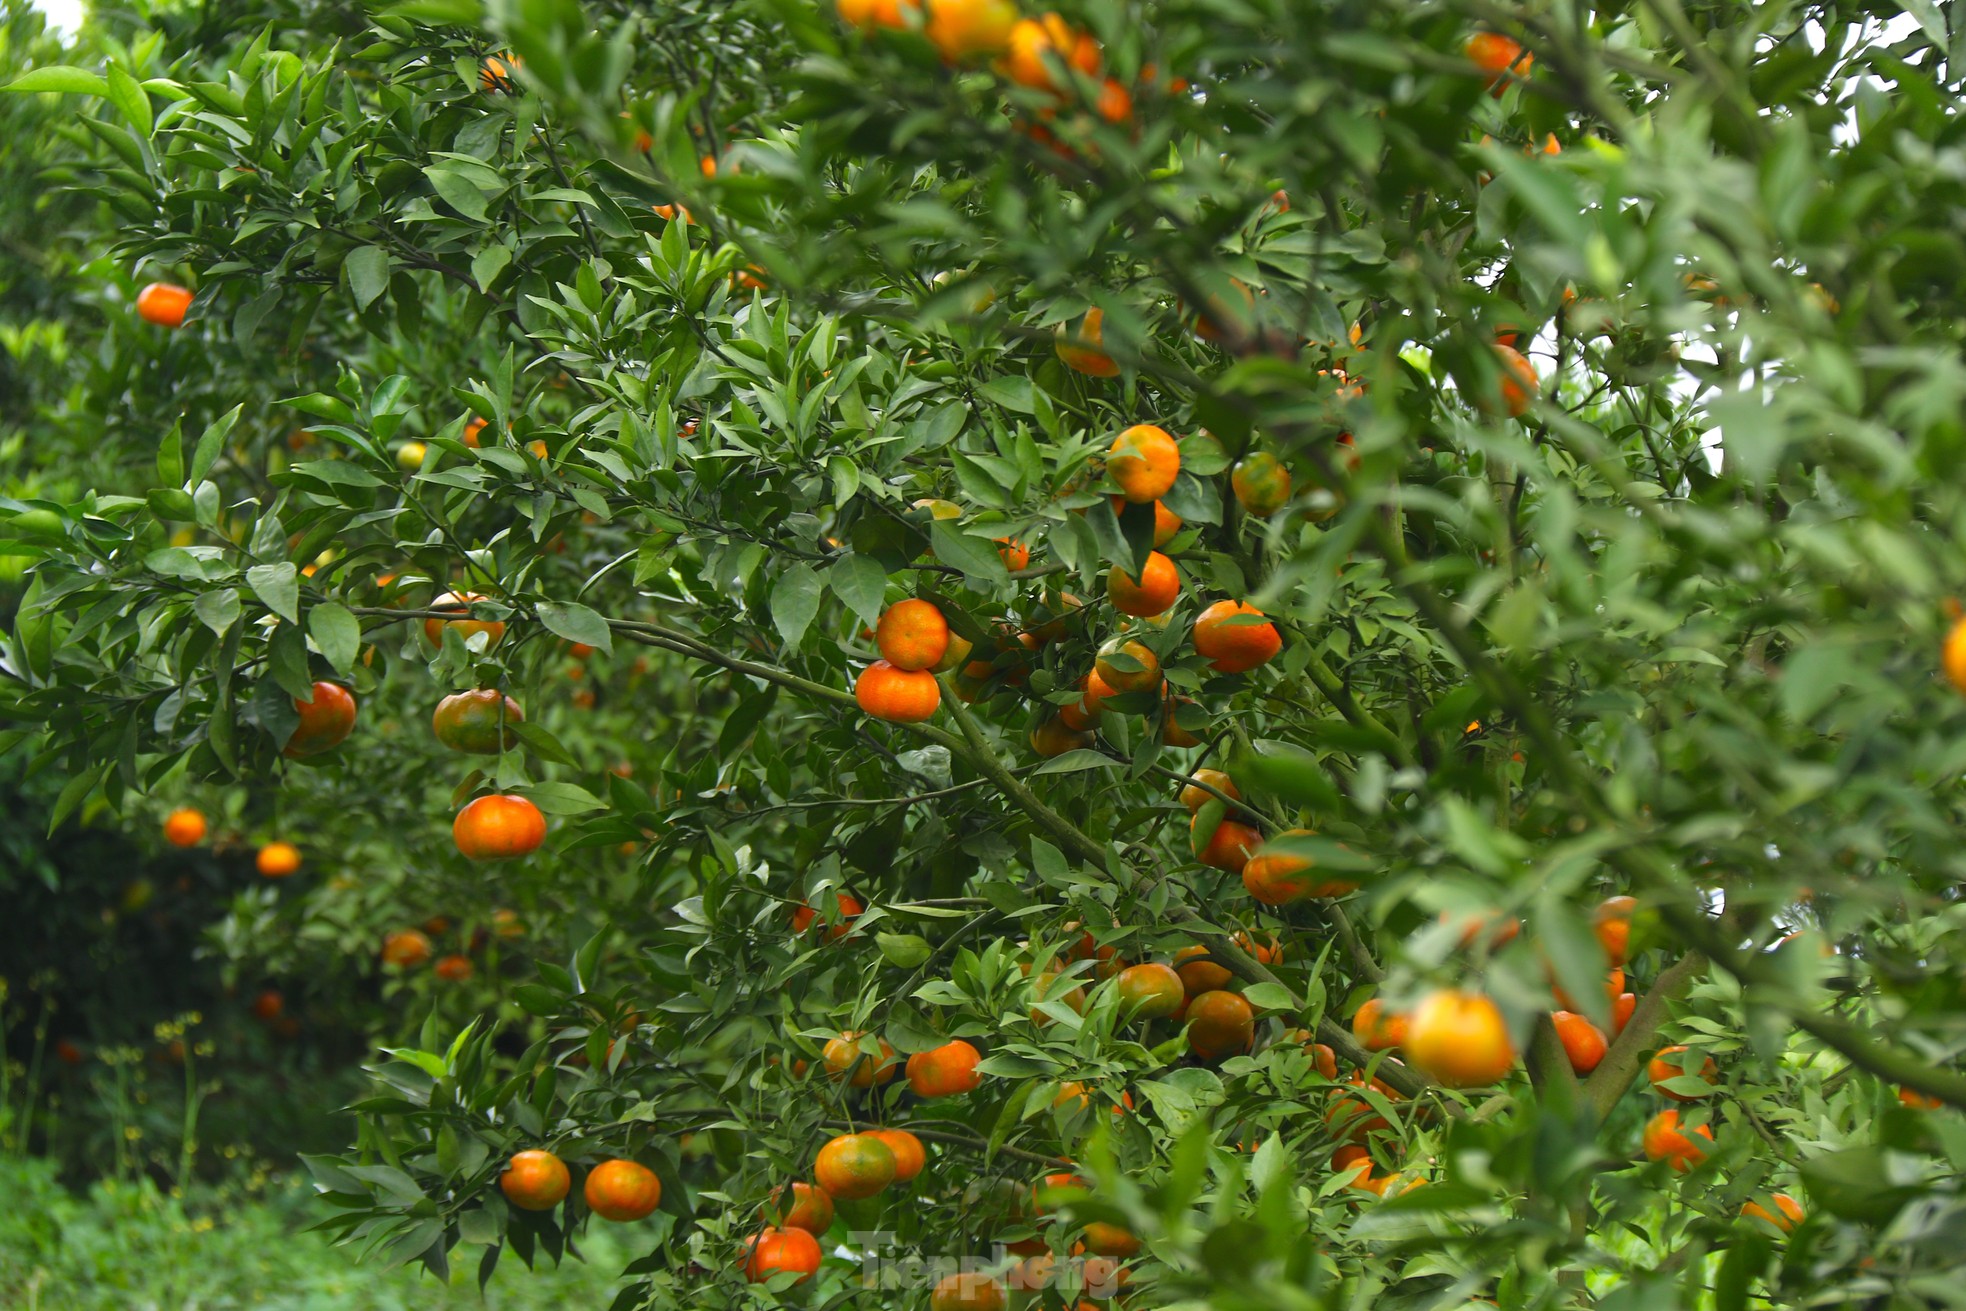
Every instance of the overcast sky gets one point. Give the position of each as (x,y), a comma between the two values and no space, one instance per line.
(61,13)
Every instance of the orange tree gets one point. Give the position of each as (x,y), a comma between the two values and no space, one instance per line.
(1287,653)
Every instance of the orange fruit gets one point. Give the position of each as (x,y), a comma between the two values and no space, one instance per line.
(164,304)
(405,948)
(327,717)
(498,72)
(1918,1101)
(1476,924)
(1054,737)
(1622,1007)
(467,628)
(912,635)
(1235,648)
(1353,1116)
(966,1291)
(1046,987)
(1612,923)
(1660,1068)
(1145,678)
(1277,878)
(1080,349)
(454,968)
(1665,1141)
(1200,975)
(1261,484)
(498,827)
(1015,554)
(1583,1042)
(534,1180)
(269,1005)
(1791,1212)
(1228,847)
(1266,950)
(956,656)
(1209,322)
(471,431)
(909,1154)
(1519,381)
(1378,1030)
(1495,54)
(1323,1059)
(900,696)
(1036,43)
(963,29)
(1166,522)
(1459,1039)
(1194,798)
(801,1206)
(855,1165)
(1111,1239)
(1152,594)
(622,1191)
(184,827)
(1143,460)
(1953,656)
(774,1251)
(1171,731)
(1220,1024)
(478,722)
(843,1053)
(945,1071)
(1150,992)
(846,908)
(863,14)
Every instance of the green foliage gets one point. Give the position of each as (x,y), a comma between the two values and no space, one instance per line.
(473,318)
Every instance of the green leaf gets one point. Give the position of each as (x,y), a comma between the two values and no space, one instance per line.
(367,270)
(576,623)
(906,950)
(278,585)
(564,798)
(1073,761)
(459,192)
(129,97)
(861,583)
(977,558)
(210,443)
(794,602)
(170,458)
(1269,997)
(60,78)
(337,634)
(218,610)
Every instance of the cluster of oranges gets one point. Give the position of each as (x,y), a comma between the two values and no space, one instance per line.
(616,1189)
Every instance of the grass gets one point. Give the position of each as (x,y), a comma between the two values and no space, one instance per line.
(130,1247)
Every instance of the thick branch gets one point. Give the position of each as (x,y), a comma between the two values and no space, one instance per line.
(1620,1065)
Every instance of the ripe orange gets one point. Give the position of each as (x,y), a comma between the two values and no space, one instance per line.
(945,1071)
(1583,1042)
(1235,648)
(1054,737)
(843,1053)
(164,304)
(1145,678)
(962,29)
(269,1005)
(1459,1039)
(1953,656)
(1612,923)
(1015,554)
(1622,1007)
(454,968)
(1200,975)
(1261,484)
(1323,1059)
(184,827)
(846,909)
(534,1180)
(1277,878)
(1228,847)
(909,1154)
(1661,1068)
(1494,54)
(1166,522)
(774,1251)
(327,717)
(471,431)
(405,948)
(1081,349)
(800,1206)
(467,628)
(498,827)
(1665,1141)
(1266,950)
(863,14)
(912,635)
(1046,987)
(1036,43)
(1918,1101)
(1791,1212)
(1171,731)
(900,696)
(498,73)
(1378,1030)
(855,1165)
(276,860)
(1143,460)
(1111,1239)
(967,1291)
(622,1191)
(1194,798)
(1152,594)
(1220,1024)
(1150,992)
(1519,381)
(956,656)
(1353,1116)
(478,722)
